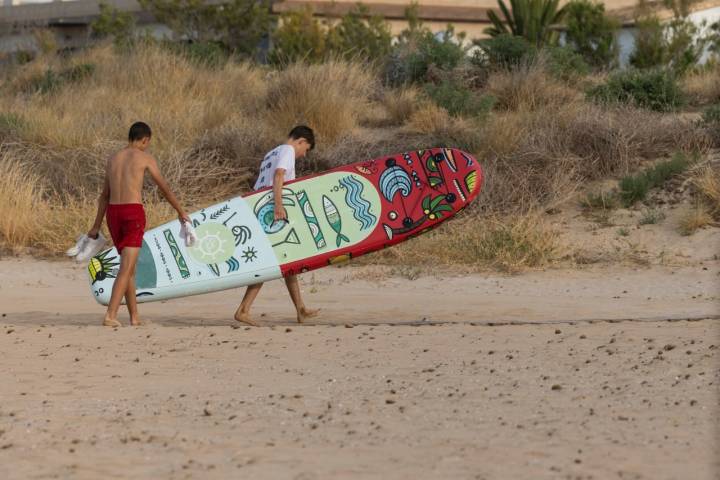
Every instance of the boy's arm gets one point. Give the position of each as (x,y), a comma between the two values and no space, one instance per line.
(103,200)
(165,188)
(278,181)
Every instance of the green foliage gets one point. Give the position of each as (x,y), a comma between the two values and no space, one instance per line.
(650,45)
(361,35)
(711,115)
(24,56)
(299,37)
(713,38)
(591,33)
(459,100)
(677,44)
(655,89)
(113,23)
(419,50)
(51,81)
(530,19)
(10,124)
(503,51)
(565,63)
(238,25)
(210,54)
(634,188)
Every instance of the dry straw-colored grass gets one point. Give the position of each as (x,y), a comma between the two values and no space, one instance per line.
(508,244)
(212,126)
(695,218)
(179,99)
(402,104)
(21,201)
(528,88)
(333,97)
(707,182)
(703,87)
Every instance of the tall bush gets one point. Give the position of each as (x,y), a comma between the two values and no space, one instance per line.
(591,33)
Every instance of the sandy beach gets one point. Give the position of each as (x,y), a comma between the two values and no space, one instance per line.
(590,374)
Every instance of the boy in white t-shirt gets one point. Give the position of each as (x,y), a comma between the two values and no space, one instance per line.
(278,167)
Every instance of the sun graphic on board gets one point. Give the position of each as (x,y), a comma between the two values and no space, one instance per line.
(249,254)
(102,267)
(215,244)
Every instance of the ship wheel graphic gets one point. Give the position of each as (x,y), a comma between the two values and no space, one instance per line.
(215,244)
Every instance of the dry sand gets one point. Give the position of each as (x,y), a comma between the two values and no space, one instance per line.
(557,374)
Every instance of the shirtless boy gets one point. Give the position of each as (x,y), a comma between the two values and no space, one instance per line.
(278,167)
(121,197)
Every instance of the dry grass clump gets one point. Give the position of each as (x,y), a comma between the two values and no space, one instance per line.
(707,182)
(332,97)
(402,104)
(510,244)
(179,99)
(21,202)
(703,87)
(528,88)
(694,219)
(539,158)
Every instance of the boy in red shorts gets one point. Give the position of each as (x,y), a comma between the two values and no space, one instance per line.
(121,198)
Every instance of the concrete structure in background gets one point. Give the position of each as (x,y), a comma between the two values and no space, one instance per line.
(70,20)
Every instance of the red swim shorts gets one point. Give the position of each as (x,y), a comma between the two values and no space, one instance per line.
(126,223)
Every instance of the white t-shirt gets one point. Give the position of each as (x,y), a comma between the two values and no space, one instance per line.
(283,157)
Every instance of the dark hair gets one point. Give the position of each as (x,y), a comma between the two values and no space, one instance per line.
(302,131)
(138,131)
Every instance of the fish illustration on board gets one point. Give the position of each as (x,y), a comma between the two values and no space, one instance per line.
(333,218)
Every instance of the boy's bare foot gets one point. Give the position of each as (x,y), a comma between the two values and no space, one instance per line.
(111,322)
(305,313)
(245,318)
(136,322)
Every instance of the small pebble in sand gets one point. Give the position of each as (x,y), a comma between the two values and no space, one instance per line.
(556,387)
(558,331)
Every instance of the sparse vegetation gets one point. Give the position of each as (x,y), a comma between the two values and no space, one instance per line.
(517,105)
(653,89)
(651,216)
(694,219)
(634,188)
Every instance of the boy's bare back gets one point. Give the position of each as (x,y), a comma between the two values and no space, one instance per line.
(125,173)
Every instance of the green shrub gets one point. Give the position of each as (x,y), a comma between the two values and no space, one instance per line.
(459,100)
(418,50)
(650,46)
(210,54)
(24,56)
(591,33)
(238,25)
(634,188)
(711,115)
(655,89)
(530,19)
(114,23)
(51,80)
(566,64)
(360,35)
(502,51)
(10,125)
(677,44)
(299,37)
